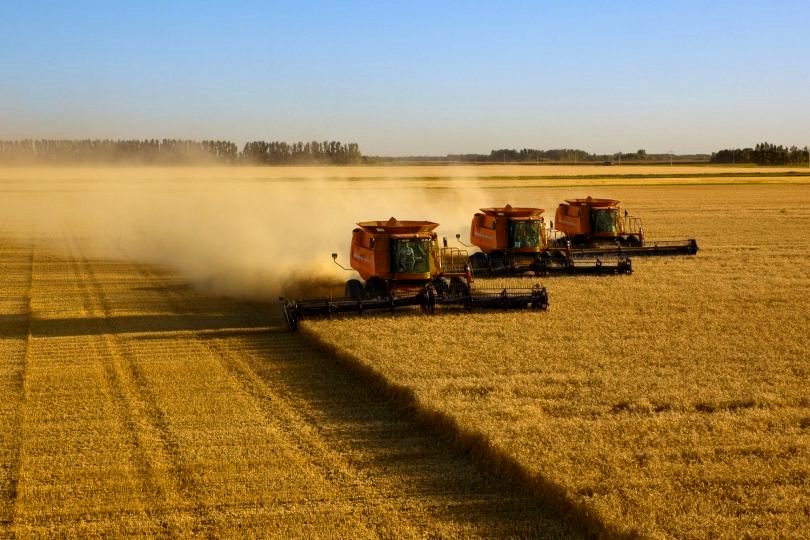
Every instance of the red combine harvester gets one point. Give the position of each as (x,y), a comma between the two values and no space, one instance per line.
(400,264)
(593,227)
(514,241)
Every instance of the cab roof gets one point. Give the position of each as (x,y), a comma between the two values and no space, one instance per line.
(395,226)
(594,203)
(512,211)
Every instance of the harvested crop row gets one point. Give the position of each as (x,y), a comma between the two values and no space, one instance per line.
(16,269)
(407,482)
(153,410)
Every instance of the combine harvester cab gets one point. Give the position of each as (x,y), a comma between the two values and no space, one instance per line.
(514,241)
(401,264)
(593,227)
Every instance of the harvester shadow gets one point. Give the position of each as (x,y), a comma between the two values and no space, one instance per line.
(14,326)
(132,324)
(390,445)
(382,440)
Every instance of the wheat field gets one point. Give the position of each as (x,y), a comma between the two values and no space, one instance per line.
(133,406)
(670,403)
(149,387)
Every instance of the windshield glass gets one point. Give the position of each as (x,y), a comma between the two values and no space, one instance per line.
(524,234)
(606,221)
(410,256)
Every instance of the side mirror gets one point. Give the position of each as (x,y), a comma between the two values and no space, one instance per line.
(458,236)
(334,260)
(444,241)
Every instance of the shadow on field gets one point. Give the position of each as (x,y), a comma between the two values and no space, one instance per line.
(389,446)
(409,469)
(13,326)
(132,324)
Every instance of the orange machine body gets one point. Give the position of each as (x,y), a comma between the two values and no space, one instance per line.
(393,249)
(592,220)
(517,230)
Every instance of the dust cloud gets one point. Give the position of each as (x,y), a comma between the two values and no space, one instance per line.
(255,238)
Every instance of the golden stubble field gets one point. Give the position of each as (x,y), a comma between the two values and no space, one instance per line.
(671,403)
(137,399)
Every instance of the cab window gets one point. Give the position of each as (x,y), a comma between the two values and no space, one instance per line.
(410,256)
(606,221)
(523,234)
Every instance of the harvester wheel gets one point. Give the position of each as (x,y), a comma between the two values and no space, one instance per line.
(496,260)
(632,241)
(376,288)
(539,265)
(354,289)
(457,286)
(479,261)
(428,300)
(560,257)
(441,285)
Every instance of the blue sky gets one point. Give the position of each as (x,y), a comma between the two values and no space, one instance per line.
(406,78)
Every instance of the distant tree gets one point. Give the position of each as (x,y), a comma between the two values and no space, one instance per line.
(301,153)
(147,152)
(762,154)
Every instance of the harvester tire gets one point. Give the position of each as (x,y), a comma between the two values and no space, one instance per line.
(441,285)
(354,289)
(457,286)
(376,288)
(428,300)
(561,243)
(479,261)
(540,266)
(496,260)
(560,257)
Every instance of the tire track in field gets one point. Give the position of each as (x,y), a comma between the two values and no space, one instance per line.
(70,481)
(219,509)
(169,490)
(275,408)
(358,439)
(88,467)
(315,490)
(191,415)
(15,339)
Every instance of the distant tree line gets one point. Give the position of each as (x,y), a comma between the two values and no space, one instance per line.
(763,154)
(147,151)
(172,152)
(525,155)
(311,152)
(568,155)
